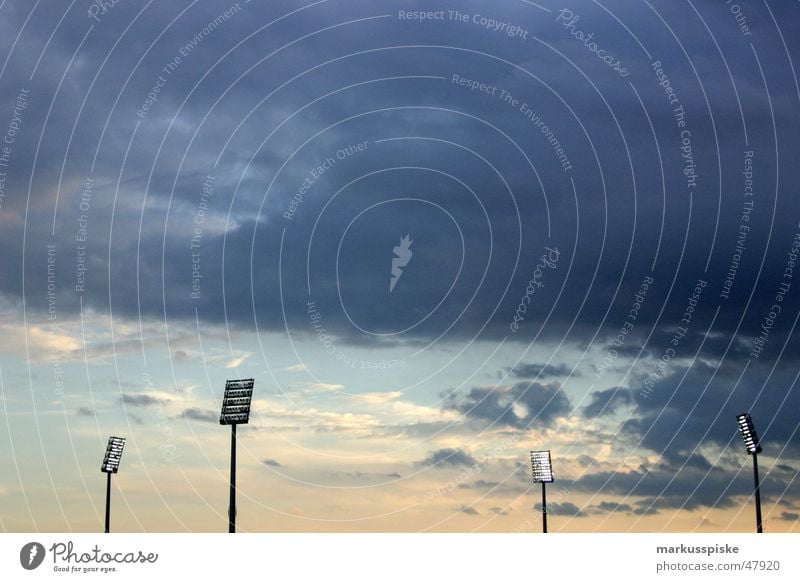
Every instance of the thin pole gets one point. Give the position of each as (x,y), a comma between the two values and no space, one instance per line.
(232,504)
(108,502)
(759,528)
(544,510)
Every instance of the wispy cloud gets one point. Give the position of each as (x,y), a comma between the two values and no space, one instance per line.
(142,399)
(236,362)
(201,415)
(448,458)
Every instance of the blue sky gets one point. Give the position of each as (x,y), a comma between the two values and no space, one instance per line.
(437,235)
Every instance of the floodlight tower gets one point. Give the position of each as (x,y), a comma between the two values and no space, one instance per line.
(748,432)
(111,465)
(542,472)
(235,410)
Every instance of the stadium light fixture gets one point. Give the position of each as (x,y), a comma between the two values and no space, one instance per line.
(753,446)
(235,410)
(542,472)
(110,466)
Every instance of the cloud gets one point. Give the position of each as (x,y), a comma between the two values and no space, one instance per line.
(448,458)
(664,486)
(201,415)
(480,484)
(271,463)
(141,399)
(607,402)
(236,362)
(561,508)
(499,511)
(611,507)
(468,510)
(322,388)
(790,516)
(586,461)
(693,407)
(608,272)
(296,368)
(521,406)
(543,371)
(85,411)
(365,475)
(37,342)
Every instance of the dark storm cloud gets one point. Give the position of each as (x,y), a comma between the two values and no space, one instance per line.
(690,408)
(542,371)
(521,406)
(663,487)
(605,402)
(595,294)
(448,458)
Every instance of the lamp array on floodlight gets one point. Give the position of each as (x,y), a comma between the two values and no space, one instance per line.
(113,454)
(541,467)
(236,402)
(748,432)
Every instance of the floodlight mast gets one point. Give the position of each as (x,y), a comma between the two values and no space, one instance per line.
(542,472)
(235,410)
(748,431)
(111,465)
(108,503)
(232,498)
(544,509)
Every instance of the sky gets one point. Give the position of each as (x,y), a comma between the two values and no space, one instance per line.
(438,235)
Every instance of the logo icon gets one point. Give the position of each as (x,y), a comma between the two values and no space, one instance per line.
(31,555)
(402,257)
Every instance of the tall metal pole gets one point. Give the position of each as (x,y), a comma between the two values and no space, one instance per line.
(232,504)
(544,510)
(108,502)
(759,528)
